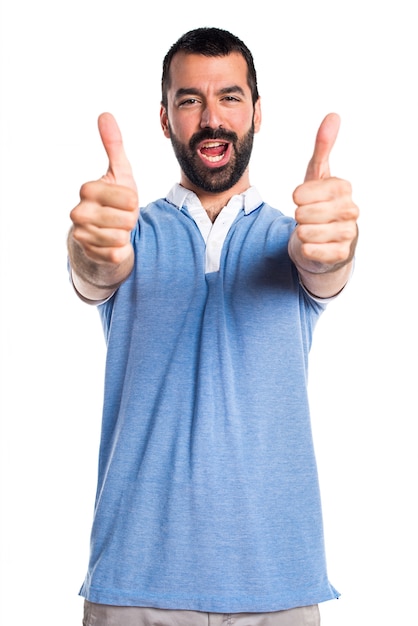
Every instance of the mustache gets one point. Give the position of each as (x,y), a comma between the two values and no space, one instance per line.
(212,134)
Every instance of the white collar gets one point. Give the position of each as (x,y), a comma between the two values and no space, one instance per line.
(181,197)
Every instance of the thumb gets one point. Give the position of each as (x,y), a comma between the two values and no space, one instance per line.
(318,166)
(119,170)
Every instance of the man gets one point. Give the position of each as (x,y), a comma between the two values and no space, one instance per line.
(208,507)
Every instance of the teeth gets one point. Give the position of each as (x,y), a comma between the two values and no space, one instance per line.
(213,159)
(214,144)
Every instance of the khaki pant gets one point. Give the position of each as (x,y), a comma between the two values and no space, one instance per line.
(105,615)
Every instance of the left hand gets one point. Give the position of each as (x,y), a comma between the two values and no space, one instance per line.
(325,213)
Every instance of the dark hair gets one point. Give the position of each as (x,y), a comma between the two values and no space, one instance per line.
(211,42)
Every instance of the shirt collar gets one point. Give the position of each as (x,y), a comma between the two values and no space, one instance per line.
(181,197)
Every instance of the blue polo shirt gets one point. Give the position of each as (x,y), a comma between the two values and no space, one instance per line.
(207,494)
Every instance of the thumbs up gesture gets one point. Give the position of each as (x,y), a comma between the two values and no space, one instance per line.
(323,243)
(101,254)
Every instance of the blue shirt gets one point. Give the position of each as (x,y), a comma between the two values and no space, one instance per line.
(208,494)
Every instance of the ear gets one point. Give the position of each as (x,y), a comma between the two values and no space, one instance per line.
(164,121)
(257,116)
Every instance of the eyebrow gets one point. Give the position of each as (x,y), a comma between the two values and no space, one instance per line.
(192,91)
(232,89)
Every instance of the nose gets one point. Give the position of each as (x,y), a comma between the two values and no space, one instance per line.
(210,118)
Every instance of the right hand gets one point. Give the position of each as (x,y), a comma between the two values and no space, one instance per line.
(108,208)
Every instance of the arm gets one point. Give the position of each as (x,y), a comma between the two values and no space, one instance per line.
(323,244)
(99,247)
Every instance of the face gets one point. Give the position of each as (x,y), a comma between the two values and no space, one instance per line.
(211,121)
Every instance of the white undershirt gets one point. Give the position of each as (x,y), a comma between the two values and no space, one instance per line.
(214,233)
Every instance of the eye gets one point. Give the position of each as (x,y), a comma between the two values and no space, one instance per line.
(188,102)
(231,100)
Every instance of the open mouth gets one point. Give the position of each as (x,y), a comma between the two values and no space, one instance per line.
(214,151)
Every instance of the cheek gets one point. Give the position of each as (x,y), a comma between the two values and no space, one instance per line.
(242,122)
(183,126)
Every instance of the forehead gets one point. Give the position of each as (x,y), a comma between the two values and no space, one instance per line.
(197,71)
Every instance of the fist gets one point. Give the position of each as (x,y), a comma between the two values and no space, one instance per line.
(108,208)
(325,212)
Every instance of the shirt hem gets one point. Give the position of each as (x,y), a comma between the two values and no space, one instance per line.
(209,605)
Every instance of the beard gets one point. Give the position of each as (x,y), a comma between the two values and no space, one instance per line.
(218,179)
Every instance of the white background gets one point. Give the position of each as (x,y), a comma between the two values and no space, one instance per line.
(63,64)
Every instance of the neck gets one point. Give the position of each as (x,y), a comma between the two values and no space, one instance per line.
(213,203)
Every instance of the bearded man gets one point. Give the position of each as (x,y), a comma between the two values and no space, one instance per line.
(208,506)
